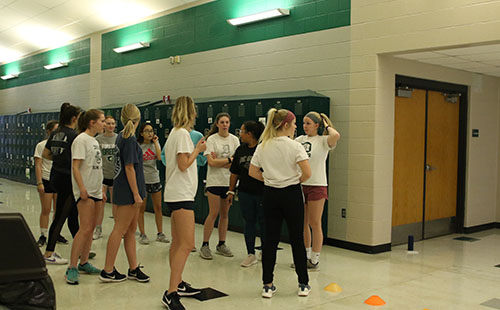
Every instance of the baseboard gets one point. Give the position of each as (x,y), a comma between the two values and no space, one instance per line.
(483,227)
(369,249)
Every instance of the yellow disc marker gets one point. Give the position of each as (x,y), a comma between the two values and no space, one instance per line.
(333,288)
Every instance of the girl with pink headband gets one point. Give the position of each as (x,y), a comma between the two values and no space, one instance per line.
(282,164)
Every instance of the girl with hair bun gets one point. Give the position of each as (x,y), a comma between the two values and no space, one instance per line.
(58,149)
(320,137)
(129,191)
(282,164)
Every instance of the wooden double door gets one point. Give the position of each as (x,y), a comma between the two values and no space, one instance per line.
(426,141)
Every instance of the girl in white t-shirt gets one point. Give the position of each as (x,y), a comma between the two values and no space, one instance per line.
(319,139)
(282,164)
(87,189)
(181,183)
(47,193)
(221,146)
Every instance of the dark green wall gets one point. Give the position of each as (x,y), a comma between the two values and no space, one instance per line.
(205,28)
(32,71)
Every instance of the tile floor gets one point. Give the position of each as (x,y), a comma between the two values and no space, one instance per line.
(446,274)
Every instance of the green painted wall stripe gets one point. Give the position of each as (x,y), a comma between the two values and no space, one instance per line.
(204,28)
(32,71)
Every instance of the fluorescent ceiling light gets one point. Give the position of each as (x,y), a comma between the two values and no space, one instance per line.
(131,47)
(117,12)
(43,37)
(56,65)
(9,76)
(8,55)
(258,17)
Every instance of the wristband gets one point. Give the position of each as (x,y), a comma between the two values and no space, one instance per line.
(230,192)
(229,160)
(327,128)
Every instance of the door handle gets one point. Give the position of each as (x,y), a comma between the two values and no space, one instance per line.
(429,168)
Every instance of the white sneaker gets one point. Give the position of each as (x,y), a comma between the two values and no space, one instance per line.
(55,259)
(268,291)
(143,239)
(160,237)
(249,261)
(304,290)
(97,233)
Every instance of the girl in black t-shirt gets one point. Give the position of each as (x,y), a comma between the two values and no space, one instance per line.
(58,149)
(250,189)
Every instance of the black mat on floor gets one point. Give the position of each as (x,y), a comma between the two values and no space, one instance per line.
(208,293)
(492,303)
(468,239)
(260,248)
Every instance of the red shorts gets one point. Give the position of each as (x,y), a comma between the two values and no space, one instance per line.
(312,193)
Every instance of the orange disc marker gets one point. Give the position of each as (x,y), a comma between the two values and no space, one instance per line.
(375,301)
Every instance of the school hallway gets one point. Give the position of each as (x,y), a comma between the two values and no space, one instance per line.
(445,274)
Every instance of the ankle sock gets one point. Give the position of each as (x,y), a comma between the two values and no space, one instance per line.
(204,243)
(315,257)
(308,252)
(221,243)
(43,231)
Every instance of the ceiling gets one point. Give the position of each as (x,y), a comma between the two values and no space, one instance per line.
(27,26)
(484,59)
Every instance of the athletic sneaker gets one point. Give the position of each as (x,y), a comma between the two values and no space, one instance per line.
(114,276)
(249,261)
(72,276)
(205,252)
(41,241)
(160,237)
(143,239)
(311,266)
(304,290)
(97,233)
(92,254)
(55,259)
(88,268)
(268,291)
(193,250)
(223,250)
(172,301)
(138,275)
(185,289)
(62,240)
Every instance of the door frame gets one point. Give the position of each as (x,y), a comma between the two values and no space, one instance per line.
(412,82)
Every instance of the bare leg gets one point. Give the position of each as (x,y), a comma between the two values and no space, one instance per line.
(156,197)
(315,212)
(182,243)
(214,208)
(140,220)
(80,246)
(223,219)
(46,201)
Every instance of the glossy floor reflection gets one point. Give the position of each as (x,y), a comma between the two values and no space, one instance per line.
(446,274)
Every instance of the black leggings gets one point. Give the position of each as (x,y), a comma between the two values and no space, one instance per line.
(65,208)
(284,203)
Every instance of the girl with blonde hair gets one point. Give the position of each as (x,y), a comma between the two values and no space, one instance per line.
(129,191)
(181,183)
(282,164)
(319,139)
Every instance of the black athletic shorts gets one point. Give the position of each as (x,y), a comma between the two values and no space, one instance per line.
(186,205)
(47,188)
(90,197)
(153,188)
(107,182)
(219,191)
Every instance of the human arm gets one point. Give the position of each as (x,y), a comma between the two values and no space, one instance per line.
(132,182)
(306,170)
(255,173)
(185,160)
(38,171)
(333,135)
(78,178)
(47,154)
(232,188)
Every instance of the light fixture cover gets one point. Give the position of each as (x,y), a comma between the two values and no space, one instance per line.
(131,47)
(10,76)
(258,17)
(56,65)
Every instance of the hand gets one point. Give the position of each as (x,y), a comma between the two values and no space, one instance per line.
(201,146)
(214,156)
(137,200)
(229,199)
(155,139)
(40,188)
(84,195)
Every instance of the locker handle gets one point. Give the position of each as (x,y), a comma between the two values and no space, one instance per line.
(429,168)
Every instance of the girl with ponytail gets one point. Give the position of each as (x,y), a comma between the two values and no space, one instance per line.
(128,194)
(319,139)
(58,149)
(282,164)
(87,189)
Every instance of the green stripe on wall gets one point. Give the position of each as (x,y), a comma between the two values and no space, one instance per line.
(32,71)
(205,27)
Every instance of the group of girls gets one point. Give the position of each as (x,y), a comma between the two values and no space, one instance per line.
(279,179)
